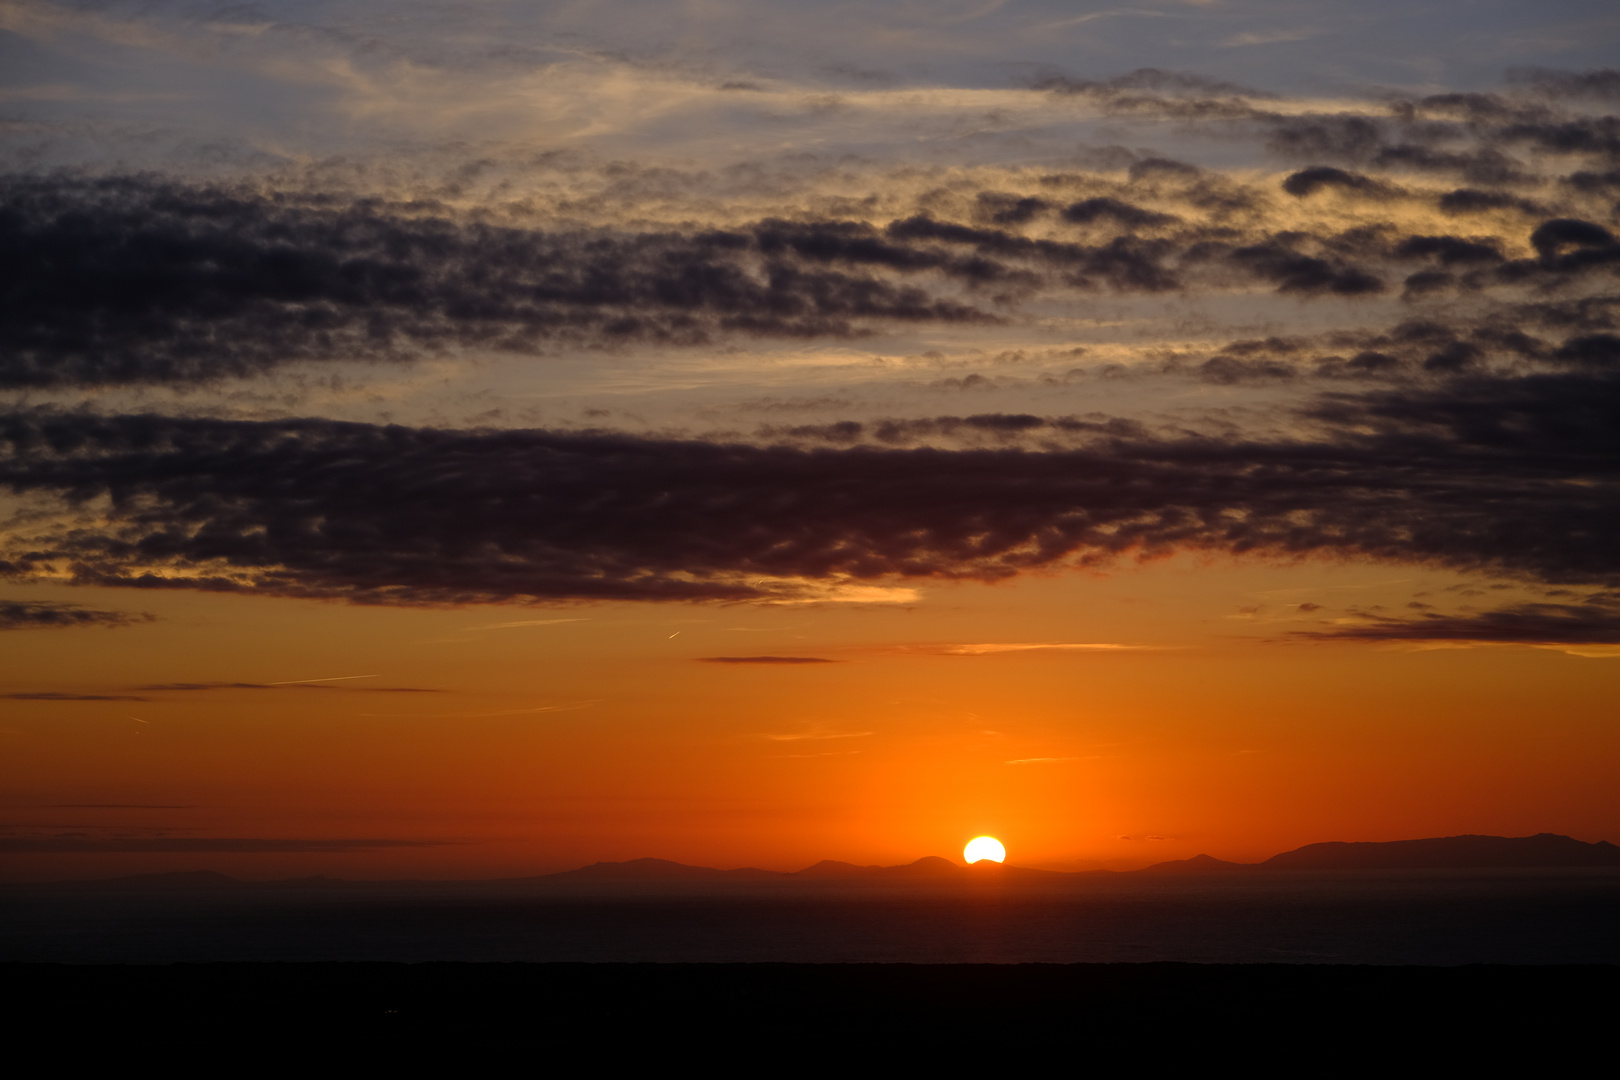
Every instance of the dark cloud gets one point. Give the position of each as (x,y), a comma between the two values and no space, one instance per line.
(89,845)
(1334,138)
(1000,208)
(139,279)
(1294,271)
(1365,364)
(1425,282)
(49,615)
(1502,341)
(1482,166)
(1091,211)
(1227,370)
(1475,201)
(1509,472)
(1477,107)
(1566,245)
(1594,623)
(142,279)
(1154,80)
(1485,139)
(765,660)
(1601,84)
(1124,264)
(994,427)
(1590,350)
(1594,182)
(1451,250)
(1154,92)
(1595,136)
(1489,140)
(1318,177)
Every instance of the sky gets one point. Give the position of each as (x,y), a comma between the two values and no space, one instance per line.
(479,439)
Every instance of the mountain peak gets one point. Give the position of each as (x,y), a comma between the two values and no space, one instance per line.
(1198,864)
(1449,853)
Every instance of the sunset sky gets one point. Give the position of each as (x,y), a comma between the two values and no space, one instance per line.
(478,439)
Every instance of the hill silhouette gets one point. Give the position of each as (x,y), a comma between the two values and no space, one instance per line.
(1453,852)
(662,870)
(1544,850)
(1541,851)
(929,866)
(1198,864)
(1449,853)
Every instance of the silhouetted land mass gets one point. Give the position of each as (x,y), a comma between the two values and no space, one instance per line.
(661,870)
(929,867)
(1544,850)
(1449,853)
(777,1017)
(1198,864)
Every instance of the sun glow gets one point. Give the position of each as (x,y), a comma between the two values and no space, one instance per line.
(984,847)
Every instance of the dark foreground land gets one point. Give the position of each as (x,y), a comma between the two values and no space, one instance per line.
(796,1012)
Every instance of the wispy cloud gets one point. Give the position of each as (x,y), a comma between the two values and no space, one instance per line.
(991,648)
(825,753)
(1269,37)
(572,706)
(299,684)
(816,735)
(519,623)
(765,660)
(1117,13)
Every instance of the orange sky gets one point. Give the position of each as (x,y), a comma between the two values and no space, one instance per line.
(601,736)
(479,440)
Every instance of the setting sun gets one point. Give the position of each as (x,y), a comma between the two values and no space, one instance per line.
(984,847)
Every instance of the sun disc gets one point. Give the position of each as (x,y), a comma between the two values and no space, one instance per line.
(984,847)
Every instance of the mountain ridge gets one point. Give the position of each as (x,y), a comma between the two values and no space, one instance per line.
(1468,851)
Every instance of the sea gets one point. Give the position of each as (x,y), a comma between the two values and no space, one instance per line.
(1395,917)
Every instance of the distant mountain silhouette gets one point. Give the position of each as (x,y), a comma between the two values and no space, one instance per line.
(1542,851)
(1449,853)
(929,866)
(662,870)
(1198,864)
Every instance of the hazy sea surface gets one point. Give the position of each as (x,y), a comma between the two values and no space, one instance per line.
(1336,917)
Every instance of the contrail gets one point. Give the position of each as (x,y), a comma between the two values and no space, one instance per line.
(334,678)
